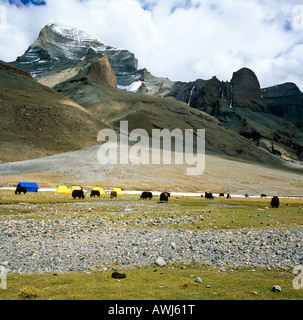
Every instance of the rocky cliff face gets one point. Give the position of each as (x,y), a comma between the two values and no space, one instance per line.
(243,91)
(271,118)
(246,91)
(285,101)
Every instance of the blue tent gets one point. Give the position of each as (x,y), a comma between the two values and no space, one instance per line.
(30,186)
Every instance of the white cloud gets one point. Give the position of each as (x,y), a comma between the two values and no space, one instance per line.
(181,40)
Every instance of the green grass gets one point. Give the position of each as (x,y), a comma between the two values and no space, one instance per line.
(152,283)
(191,213)
(242,213)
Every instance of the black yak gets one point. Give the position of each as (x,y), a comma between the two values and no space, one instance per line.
(275,202)
(164,196)
(208,195)
(146,195)
(117,275)
(94,193)
(113,194)
(20,190)
(78,194)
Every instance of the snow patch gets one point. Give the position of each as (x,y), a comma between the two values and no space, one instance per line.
(80,39)
(191,93)
(133,87)
(73,33)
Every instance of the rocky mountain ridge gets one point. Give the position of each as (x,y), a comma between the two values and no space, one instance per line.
(269,118)
(40,121)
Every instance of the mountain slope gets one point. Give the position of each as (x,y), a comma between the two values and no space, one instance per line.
(37,121)
(98,92)
(148,112)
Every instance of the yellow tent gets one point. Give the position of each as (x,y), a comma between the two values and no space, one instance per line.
(99,189)
(62,189)
(75,188)
(118,190)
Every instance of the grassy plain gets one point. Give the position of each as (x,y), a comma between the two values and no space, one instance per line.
(153,283)
(181,212)
(171,282)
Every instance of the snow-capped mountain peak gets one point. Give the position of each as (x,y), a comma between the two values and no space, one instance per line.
(74,34)
(59,48)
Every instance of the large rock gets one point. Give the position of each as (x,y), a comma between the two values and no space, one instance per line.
(100,71)
(246,91)
(160,262)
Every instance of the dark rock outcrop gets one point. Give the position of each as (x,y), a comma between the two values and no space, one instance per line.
(246,91)
(285,101)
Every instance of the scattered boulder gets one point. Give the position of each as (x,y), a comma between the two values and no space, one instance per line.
(160,262)
(276,289)
(198,279)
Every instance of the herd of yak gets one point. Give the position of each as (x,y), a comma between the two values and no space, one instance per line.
(275,202)
(145,195)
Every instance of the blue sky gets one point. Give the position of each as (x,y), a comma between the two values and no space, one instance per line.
(180,40)
(19,3)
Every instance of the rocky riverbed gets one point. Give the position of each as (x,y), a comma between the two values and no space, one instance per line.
(49,241)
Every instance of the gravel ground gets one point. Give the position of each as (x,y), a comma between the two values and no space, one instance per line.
(72,242)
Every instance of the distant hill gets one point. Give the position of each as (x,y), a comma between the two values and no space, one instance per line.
(37,121)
